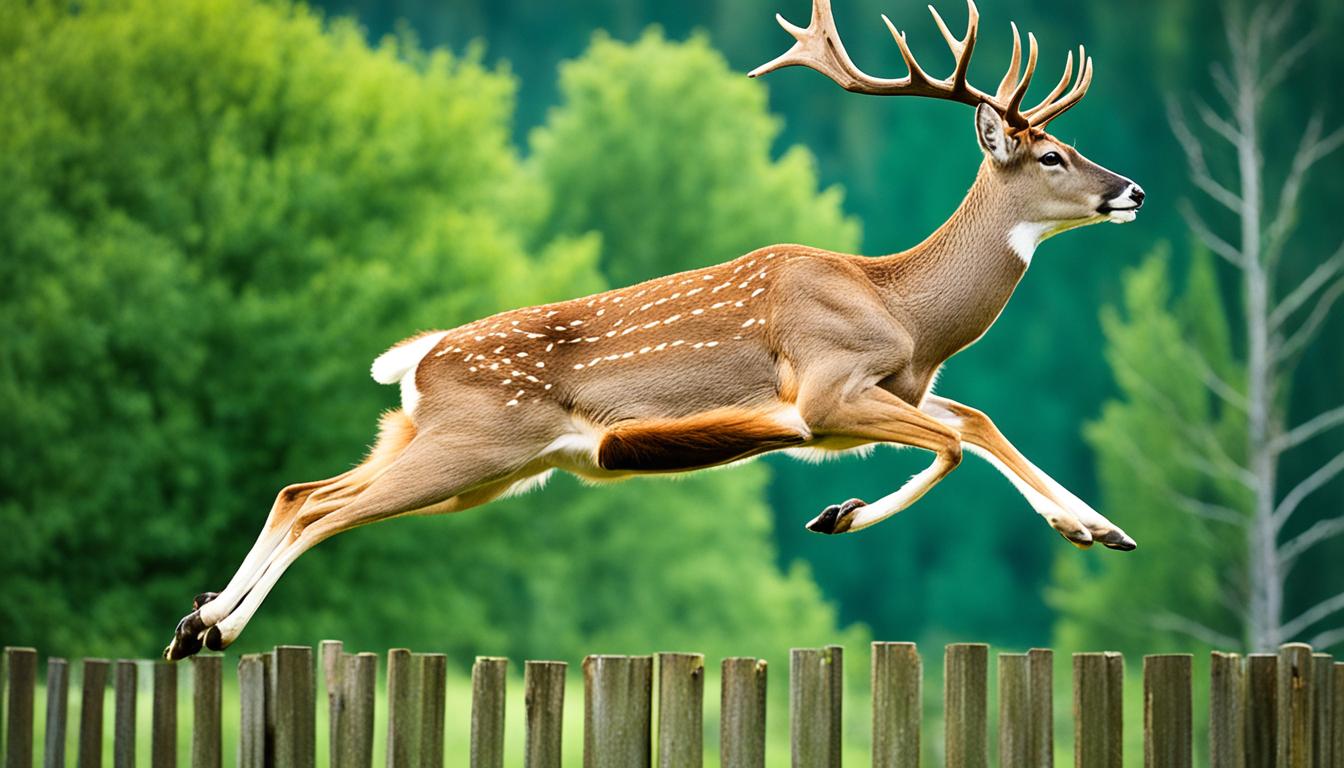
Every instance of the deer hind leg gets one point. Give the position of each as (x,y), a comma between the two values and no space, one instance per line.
(880,416)
(1065,512)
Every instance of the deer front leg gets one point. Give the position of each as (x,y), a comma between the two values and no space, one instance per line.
(1065,512)
(879,416)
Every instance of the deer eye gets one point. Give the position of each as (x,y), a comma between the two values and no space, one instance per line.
(1051,158)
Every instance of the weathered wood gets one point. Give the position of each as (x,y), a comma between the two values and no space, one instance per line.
(1295,700)
(1337,728)
(1323,711)
(354,741)
(1168,728)
(252,711)
(1227,711)
(163,717)
(93,689)
(1262,707)
(681,710)
(1014,710)
(618,699)
(206,711)
(123,722)
(20,691)
(544,702)
(58,691)
(812,708)
(489,677)
(742,713)
(331,655)
(401,718)
(1041,673)
(295,702)
(836,667)
(1098,690)
(431,671)
(898,690)
(965,693)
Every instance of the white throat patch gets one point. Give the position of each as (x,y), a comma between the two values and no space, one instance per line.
(1023,239)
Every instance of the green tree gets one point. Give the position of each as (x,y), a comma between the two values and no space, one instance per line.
(666,152)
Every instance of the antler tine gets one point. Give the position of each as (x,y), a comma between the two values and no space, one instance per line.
(1058,89)
(1009,81)
(819,47)
(1012,111)
(916,72)
(1057,108)
(961,49)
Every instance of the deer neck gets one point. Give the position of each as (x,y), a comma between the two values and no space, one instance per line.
(952,287)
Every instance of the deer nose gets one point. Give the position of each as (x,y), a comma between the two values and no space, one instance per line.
(1136,194)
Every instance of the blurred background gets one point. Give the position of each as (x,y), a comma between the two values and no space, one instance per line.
(215,213)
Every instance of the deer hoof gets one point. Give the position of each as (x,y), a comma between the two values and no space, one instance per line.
(214,640)
(187,637)
(200,600)
(1116,539)
(836,518)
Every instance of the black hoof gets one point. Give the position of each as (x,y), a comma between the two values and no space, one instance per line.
(187,637)
(213,639)
(1116,539)
(836,518)
(202,599)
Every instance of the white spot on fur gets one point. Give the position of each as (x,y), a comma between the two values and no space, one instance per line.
(1023,239)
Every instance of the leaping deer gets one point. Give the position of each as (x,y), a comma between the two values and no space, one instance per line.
(787,347)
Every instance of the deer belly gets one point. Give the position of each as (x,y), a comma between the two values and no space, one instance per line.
(703,440)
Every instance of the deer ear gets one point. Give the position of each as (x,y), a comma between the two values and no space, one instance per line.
(993,137)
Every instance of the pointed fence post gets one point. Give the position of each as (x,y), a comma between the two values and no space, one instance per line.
(1167,717)
(618,701)
(898,691)
(681,710)
(1227,711)
(544,702)
(1098,691)
(489,676)
(93,688)
(206,711)
(58,687)
(742,713)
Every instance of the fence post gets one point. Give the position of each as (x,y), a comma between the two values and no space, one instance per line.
(618,697)
(123,721)
(1322,672)
(489,677)
(898,691)
(1167,723)
(401,720)
(1337,684)
(1262,707)
(681,710)
(1227,711)
(1041,669)
(1098,690)
(432,675)
(331,655)
(295,713)
(965,697)
(1014,710)
(742,713)
(20,689)
(93,686)
(1295,705)
(163,717)
(58,691)
(354,741)
(544,701)
(252,711)
(814,707)
(206,711)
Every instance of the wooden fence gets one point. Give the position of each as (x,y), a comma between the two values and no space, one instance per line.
(1284,710)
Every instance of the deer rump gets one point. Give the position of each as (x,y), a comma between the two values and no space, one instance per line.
(703,440)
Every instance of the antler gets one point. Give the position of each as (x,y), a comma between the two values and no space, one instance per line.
(819,47)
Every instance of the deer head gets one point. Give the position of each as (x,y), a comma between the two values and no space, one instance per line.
(1047,183)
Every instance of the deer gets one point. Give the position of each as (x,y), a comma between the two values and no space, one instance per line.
(787,348)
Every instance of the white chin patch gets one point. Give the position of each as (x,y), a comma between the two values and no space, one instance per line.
(1122,217)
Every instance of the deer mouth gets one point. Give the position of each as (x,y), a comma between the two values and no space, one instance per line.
(1119,215)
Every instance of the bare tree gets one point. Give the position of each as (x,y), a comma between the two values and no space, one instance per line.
(1281,320)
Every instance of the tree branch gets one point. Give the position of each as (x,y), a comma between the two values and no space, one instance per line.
(1328,639)
(1279,69)
(1208,510)
(1217,123)
(1171,622)
(1303,335)
(1312,615)
(1310,150)
(1313,282)
(1320,531)
(1214,242)
(1308,429)
(1194,155)
(1218,385)
(1324,474)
